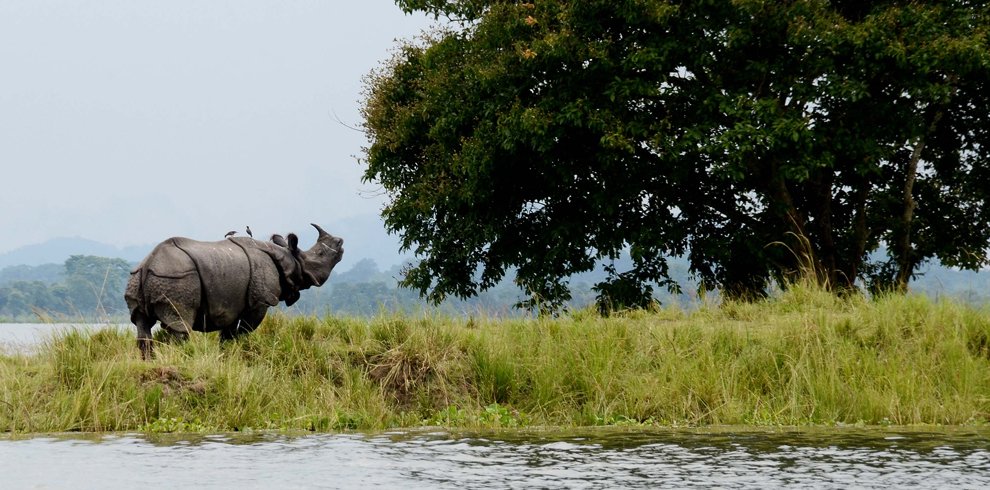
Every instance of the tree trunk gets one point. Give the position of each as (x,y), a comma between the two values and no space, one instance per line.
(822,211)
(805,257)
(904,250)
(861,234)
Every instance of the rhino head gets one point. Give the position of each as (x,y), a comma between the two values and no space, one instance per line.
(319,260)
(303,269)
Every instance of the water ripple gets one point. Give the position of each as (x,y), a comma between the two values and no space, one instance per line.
(534,459)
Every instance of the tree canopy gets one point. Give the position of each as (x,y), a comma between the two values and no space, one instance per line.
(756,138)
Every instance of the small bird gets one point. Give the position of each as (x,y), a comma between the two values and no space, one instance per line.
(248,230)
(230,234)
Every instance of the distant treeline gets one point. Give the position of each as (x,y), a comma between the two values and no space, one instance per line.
(84,287)
(91,288)
(366,290)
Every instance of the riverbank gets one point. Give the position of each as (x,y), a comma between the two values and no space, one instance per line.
(803,358)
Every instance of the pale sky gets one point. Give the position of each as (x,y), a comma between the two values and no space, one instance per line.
(129,121)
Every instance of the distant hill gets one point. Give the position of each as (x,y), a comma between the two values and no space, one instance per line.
(364,238)
(56,250)
(937,281)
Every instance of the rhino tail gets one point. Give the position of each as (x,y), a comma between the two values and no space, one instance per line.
(134,294)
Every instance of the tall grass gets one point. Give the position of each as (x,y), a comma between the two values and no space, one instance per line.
(803,357)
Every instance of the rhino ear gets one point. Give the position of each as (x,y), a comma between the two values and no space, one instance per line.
(287,267)
(293,243)
(279,240)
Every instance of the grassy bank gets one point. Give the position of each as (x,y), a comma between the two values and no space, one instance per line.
(803,358)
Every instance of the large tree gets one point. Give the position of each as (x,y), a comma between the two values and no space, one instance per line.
(757,138)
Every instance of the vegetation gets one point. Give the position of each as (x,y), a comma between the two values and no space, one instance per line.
(85,287)
(365,291)
(802,357)
(538,138)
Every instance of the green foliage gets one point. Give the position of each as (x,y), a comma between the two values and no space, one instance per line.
(46,273)
(86,286)
(450,416)
(499,416)
(96,283)
(172,424)
(760,139)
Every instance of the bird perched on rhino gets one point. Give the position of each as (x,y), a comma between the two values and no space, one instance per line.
(248,230)
(230,234)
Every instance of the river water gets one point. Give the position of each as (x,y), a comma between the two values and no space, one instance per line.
(817,458)
(846,457)
(25,337)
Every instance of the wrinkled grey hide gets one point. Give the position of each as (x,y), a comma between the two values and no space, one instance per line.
(226,285)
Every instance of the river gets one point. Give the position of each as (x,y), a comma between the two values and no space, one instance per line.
(615,458)
(25,337)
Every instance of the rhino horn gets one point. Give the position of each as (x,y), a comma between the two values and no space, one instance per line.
(323,232)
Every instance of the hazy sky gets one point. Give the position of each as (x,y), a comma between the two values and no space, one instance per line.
(129,121)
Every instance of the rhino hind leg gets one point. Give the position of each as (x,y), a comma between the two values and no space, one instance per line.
(144,323)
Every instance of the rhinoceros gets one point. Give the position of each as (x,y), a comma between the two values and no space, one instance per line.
(227,285)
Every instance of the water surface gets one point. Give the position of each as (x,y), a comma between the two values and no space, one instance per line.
(26,337)
(839,458)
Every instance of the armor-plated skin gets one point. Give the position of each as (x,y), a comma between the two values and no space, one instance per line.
(227,285)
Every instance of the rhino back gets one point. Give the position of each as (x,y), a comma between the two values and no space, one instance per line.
(168,261)
(224,272)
